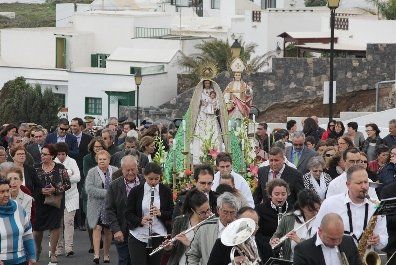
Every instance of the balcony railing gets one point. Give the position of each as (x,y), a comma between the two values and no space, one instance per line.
(141,32)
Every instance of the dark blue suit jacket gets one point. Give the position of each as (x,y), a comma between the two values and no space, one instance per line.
(71,142)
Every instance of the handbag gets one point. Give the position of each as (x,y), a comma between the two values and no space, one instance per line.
(54,200)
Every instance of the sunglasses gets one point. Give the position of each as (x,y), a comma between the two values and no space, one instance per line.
(329,155)
(63,129)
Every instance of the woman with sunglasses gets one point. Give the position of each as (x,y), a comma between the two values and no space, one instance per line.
(195,209)
(307,206)
(330,128)
(316,179)
(53,181)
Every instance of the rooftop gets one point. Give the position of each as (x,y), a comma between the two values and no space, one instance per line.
(143,55)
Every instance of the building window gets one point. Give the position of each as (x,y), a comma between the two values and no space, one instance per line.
(268,4)
(99,60)
(93,106)
(215,4)
(61,99)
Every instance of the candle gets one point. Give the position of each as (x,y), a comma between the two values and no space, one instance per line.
(229,125)
(254,118)
(174,144)
(184,134)
(243,144)
(184,125)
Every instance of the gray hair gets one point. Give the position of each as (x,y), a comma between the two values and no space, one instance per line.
(123,160)
(352,170)
(6,165)
(392,121)
(230,199)
(298,134)
(316,161)
(110,132)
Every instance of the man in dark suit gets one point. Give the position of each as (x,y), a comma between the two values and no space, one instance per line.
(83,140)
(389,191)
(34,148)
(299,154)
(264,249)
(62,135)
(116,199)
(328,246)
(278,169)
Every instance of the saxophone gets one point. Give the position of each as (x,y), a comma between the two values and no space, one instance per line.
(369,257)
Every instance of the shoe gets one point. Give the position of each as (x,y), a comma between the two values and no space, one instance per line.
(91,250)
(107,259)
(96,260)
(54,259)
(71,253)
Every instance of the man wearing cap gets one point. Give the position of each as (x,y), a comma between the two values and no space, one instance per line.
(89,124)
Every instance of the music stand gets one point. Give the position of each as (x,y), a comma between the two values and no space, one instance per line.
(276,261)
(386,207)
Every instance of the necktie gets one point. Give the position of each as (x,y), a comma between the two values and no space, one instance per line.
(296,158)
(274,174)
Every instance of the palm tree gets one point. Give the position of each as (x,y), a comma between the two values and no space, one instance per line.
(218,52)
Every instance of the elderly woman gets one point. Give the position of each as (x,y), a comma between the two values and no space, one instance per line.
(29,173)
(307,206)
(97,144)
(16,241)
(316,179)
(14,175)
(50,201)
(96,184)
(147,146)
(372,141)
(71,199)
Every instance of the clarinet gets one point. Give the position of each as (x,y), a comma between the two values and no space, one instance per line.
(150,228)
(280,215)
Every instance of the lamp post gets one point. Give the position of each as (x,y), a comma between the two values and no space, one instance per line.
(236,49)
(138,82)
(333,5)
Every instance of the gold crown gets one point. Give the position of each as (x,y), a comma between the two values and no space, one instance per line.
(207,71)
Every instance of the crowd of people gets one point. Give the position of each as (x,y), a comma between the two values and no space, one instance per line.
(314,196)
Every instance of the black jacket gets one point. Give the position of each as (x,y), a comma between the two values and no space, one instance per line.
(307,253)
(290,175)
(116,202)
(134,213)
(220,254)
(389,191)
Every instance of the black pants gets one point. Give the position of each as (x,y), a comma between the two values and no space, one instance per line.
(140,254)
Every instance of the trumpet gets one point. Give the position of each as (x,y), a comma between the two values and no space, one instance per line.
(283,238)
(173,239)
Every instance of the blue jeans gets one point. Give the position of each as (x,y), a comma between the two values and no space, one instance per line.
(123,253)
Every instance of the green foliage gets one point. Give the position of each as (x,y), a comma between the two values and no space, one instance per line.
(20,102)
(218,52)
(315,2)
(387,8)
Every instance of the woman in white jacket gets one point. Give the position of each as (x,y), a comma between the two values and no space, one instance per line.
(71,199)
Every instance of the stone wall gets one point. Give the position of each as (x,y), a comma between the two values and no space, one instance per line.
(295,85)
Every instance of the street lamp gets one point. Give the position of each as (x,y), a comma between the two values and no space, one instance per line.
(138,82)
(236,49)
(332,4)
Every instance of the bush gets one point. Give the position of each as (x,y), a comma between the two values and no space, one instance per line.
(315,2)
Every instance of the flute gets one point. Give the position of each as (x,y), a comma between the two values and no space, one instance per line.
(173,239)
(283,238)
(150,239)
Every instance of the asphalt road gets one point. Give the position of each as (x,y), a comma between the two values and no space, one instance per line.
(81,255)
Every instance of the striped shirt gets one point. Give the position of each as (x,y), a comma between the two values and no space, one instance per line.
(16,236)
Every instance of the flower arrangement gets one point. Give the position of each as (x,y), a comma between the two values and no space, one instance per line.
(160,155)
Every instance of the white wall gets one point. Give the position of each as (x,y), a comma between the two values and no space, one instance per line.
(28,47)
(80,48)
(65,13)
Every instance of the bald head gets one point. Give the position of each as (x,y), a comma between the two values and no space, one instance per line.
(331,230)
(129,167)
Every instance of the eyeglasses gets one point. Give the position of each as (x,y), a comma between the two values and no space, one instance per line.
(329,155)
(63,129)
(204,213)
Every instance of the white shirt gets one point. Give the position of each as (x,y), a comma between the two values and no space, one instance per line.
(278,175)
(338,204)
(240,184)
(338,186)
(330,254)
(287,162)
(157,227)
(221,228)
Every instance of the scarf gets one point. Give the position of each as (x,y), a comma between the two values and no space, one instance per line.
(320,187)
